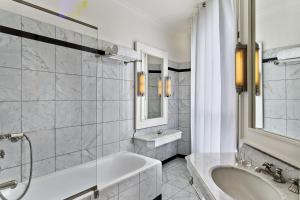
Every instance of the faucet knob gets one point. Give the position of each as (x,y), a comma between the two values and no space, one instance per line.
(268,165)
(294,186)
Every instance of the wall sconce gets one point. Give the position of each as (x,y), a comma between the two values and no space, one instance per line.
(168,86)
(257,72)
(240,68)
(141,84)
(159,87)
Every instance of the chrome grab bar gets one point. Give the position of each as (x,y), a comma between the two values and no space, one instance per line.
(9,184)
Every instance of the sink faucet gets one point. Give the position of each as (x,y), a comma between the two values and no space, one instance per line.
(294,186)
(276,174)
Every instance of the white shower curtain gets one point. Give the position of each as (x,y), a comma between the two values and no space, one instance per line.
(213,106)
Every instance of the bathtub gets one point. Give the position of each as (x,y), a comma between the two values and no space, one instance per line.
(119,175)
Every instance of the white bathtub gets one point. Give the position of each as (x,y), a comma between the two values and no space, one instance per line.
(110,171)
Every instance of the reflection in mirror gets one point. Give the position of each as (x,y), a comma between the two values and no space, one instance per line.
(155,87)
(278,61)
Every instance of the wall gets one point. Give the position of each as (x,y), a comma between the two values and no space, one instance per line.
(116,22)
(278,20)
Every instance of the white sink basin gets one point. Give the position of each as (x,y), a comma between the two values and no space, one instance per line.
(155,140)
(242,185)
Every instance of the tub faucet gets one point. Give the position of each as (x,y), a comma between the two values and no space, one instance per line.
(9,184)
(276,174)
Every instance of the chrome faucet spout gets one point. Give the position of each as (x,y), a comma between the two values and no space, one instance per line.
(9,184)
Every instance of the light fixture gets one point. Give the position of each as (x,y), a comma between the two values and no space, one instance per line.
(168,86)
(257,72)
(241,68)
(141,84)
(159,87)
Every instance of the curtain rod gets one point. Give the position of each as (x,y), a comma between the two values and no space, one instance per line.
(55,13)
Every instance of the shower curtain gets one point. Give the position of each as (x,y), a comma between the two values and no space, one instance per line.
(213,106)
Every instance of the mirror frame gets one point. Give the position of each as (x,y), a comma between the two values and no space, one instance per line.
(141,123)
(283,148)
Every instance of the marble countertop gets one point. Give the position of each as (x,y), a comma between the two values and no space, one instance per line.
(202,165)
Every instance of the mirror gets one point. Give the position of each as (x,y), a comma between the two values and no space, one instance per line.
(151,101)
(277,71)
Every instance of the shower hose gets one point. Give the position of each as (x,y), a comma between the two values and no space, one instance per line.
(30,173)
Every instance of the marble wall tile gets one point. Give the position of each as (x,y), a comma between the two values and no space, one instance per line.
(124,185)
(173,121)
(38,55)
(126,110)
(99,67)
(184,120)
(185,78)
(111,132)
(184,106)
(184,92)
(12,154)
(126,129)
(68,140)
(89,112)
(68,87)
(127,72)
(274,90)
(43,145)
(111,89)
(293,89)
(10,51)
(186,134)
(109,149)
(131,193)
(89,88)
(37,115)
(184,148)
(173,106)
(148,188)
(10,117)
(293,71)
(40,168)
(293,109)
(10,84)
(89,136)
(88,155)
(68,113)
(89,64)
(68,36)
(10,19)
(99,89)
(109,193)
(277,126)
(99,134)
(38,85)
(275,109)
(126,90)
(111,69)
(9,174)
(174,77)
(273,72)
(127,145)
(293,129)
(99,111)
(68,160)
(89,41)
(68,60)
(38,27)
(111,111)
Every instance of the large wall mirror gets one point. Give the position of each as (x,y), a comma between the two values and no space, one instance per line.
(277,73)
(151,99)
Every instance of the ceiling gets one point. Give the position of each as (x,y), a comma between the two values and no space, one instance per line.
(172,14)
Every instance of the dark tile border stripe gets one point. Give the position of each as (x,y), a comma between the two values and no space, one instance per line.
(173,158)
(154,71)
(159,197)
(55,13)
(267,60)
(40,38)
(179,70)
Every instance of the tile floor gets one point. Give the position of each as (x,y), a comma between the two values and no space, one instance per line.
(176,181)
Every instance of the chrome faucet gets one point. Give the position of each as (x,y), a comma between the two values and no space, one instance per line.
(2,153)
(294,186)
(276,174)
(9,184)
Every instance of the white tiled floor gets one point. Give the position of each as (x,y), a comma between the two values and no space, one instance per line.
(176,181)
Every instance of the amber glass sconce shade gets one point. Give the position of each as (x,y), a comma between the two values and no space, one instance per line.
(168,86)
(241,68)
(141,84)
(159,87)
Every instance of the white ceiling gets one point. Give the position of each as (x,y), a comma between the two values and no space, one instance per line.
(173,14)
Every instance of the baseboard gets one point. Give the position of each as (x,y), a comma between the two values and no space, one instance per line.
(173,158)
(159,197)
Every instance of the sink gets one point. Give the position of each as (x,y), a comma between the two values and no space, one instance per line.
(154,140)
(243,185)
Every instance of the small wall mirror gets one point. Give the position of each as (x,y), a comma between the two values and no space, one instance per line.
(277,71)
(151,100)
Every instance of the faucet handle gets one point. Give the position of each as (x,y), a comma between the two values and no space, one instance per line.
(268,165)
(294,187)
